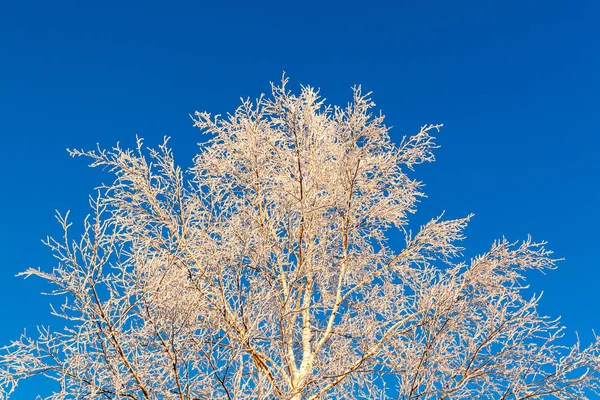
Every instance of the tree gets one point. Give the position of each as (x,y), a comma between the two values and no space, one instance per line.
(267,272)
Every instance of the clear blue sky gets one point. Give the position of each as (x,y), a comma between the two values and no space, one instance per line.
(515,83)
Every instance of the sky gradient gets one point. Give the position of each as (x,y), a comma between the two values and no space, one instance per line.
(515,84)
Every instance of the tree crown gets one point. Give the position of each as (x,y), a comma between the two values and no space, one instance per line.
(267,272)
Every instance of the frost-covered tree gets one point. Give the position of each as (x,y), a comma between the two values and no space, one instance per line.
(266,271)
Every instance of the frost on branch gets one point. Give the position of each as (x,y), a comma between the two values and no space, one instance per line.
(265,272)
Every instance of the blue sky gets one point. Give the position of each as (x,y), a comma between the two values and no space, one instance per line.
(514,82)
